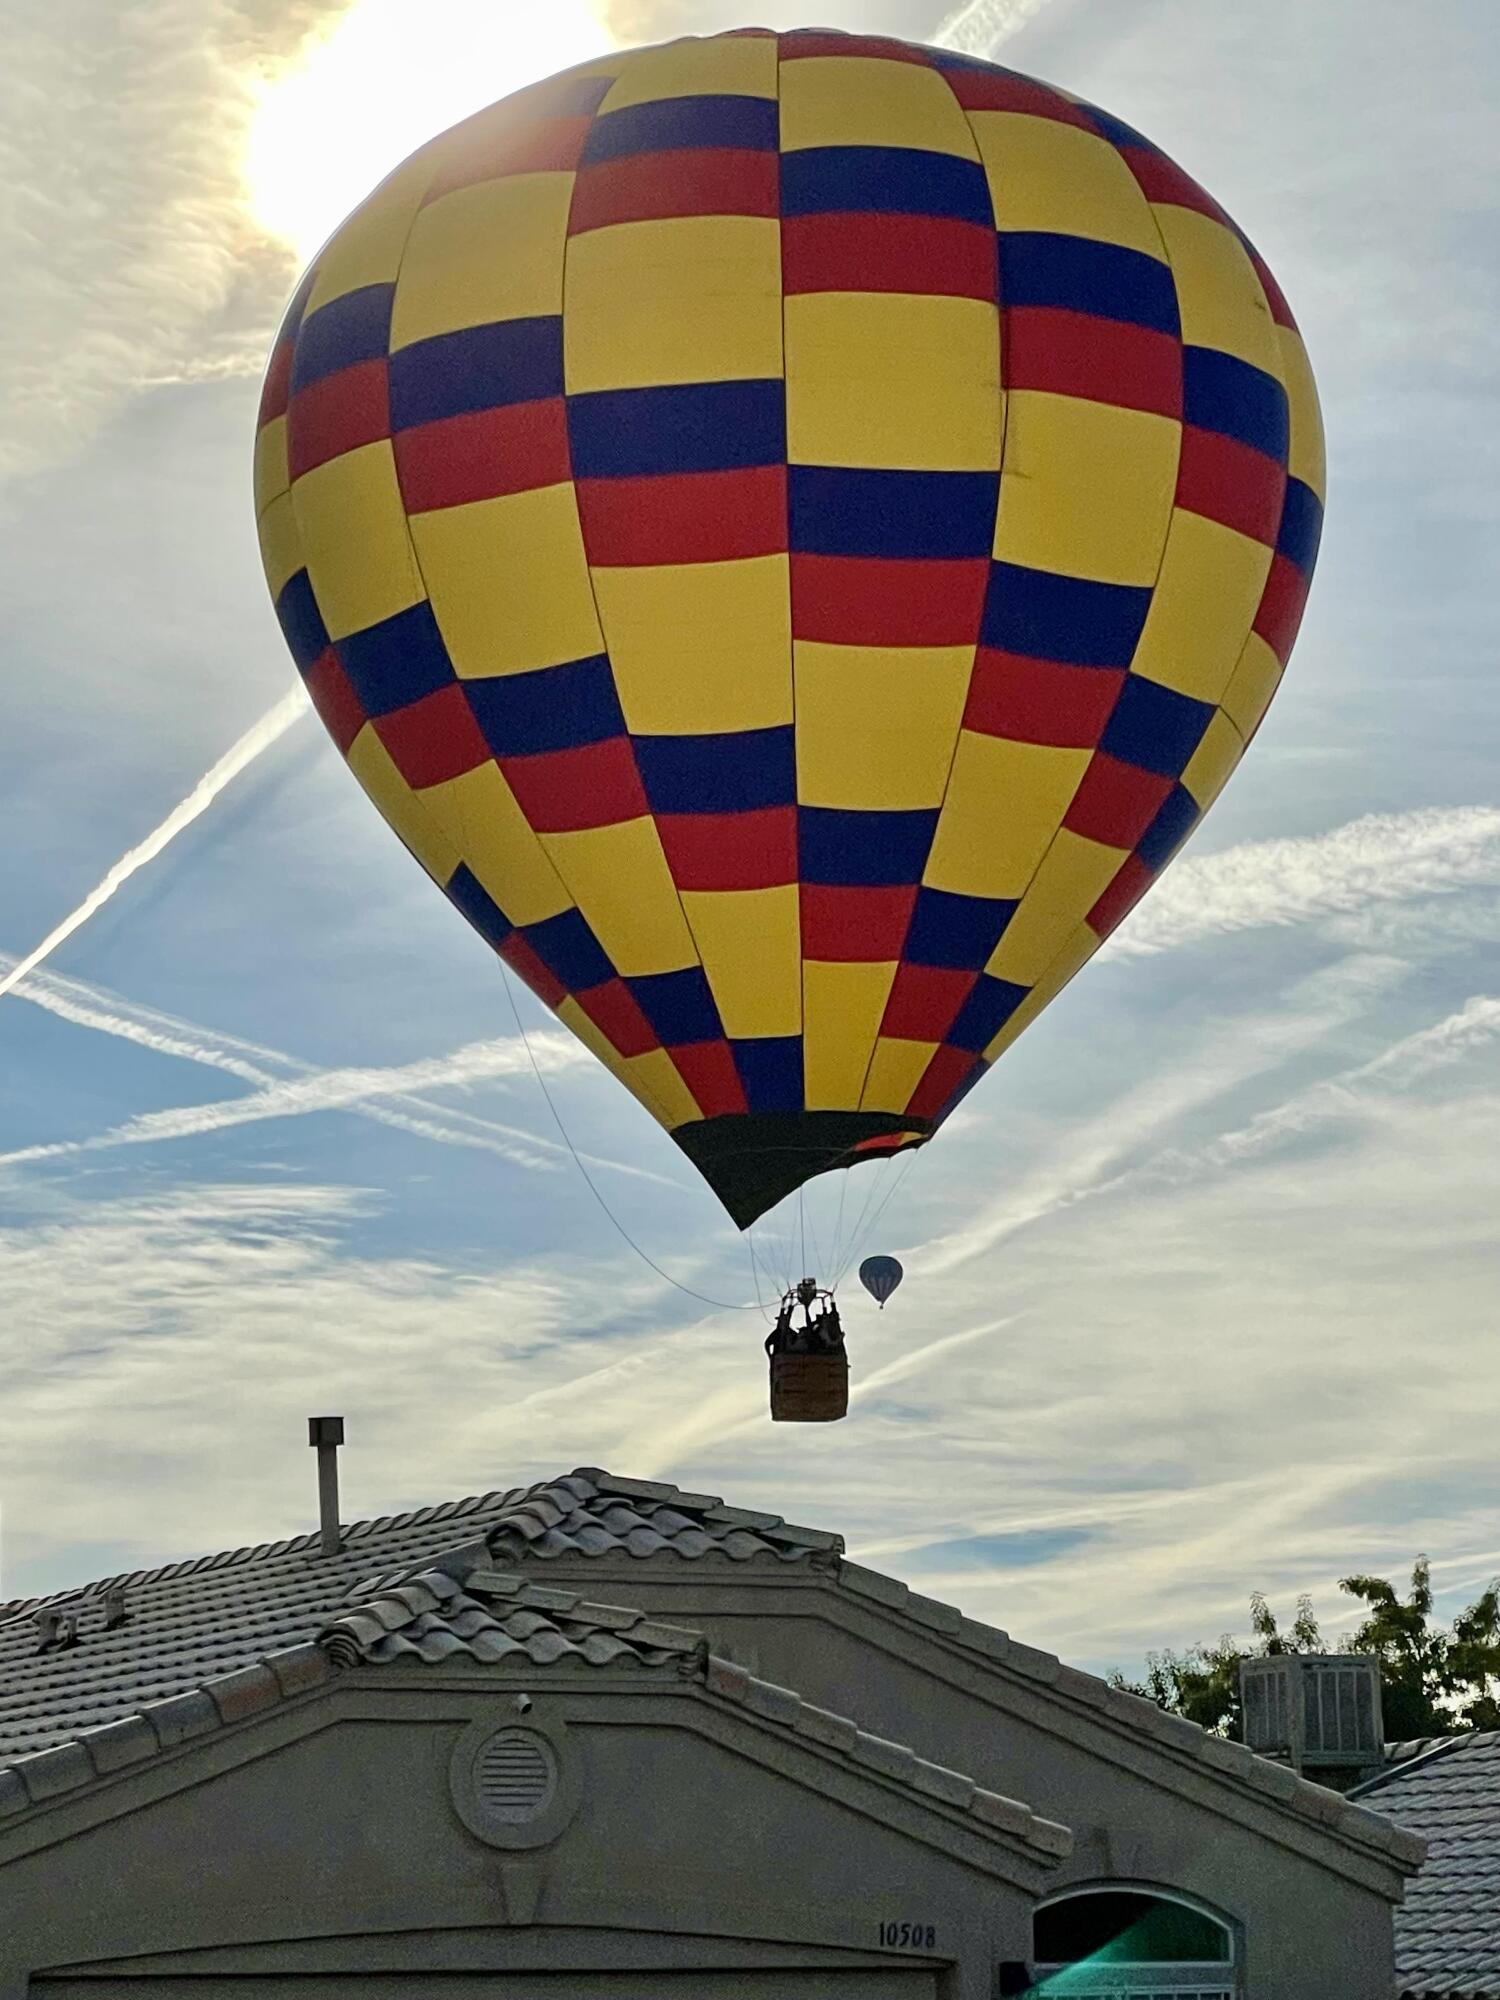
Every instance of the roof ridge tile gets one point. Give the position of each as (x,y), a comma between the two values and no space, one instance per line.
(613,1617)
(246,1691)
(634,1489)
(181,1716)
(896,1761)
(741,1517)
(824,1726)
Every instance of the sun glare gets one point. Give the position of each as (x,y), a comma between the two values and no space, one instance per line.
(388,75)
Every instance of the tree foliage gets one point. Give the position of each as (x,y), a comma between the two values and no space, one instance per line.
(1435,1680)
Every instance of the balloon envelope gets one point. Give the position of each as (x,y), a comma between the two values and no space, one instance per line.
(880,1277)
(792,531)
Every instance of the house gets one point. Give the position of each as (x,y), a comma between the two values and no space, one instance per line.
(599,1736)
(1448,1931)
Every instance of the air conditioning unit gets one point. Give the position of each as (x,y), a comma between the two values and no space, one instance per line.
(1313,1709)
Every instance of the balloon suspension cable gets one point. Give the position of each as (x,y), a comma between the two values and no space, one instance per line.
(760,1303)
(727,1305)
(865,1230)
(838,1227)
(878,1178)
(762,1267)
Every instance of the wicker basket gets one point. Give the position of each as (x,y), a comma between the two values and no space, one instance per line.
(809,1388)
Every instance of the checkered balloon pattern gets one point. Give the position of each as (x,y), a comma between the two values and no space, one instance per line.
(792,531)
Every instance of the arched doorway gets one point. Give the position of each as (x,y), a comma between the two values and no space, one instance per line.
(1108,1942)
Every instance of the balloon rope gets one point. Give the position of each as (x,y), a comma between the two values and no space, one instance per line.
(728,1305)
(762,1266)
(879,1174)
(898,1180)
(760,1303)
(819,1264)
(838,1226)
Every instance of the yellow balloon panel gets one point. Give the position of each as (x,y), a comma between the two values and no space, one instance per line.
(792,531)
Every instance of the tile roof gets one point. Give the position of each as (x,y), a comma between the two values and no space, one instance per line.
(1448,1928)
(495,1618)
(188,1621)
(215,1614)
(492,1617)
(593,1513)
(144,1732)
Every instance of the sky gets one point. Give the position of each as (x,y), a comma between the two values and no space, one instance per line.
(1201,1283)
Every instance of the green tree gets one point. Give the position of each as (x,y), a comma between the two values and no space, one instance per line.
(1435,1681)
(1203,1683)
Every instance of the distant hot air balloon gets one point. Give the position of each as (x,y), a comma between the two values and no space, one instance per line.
(880,1277)
(792,531)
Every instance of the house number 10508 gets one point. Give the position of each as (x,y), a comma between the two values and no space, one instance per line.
(908,1934)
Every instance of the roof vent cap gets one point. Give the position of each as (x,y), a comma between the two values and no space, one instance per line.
(56,1627)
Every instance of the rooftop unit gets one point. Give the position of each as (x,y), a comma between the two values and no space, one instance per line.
(1318,1712)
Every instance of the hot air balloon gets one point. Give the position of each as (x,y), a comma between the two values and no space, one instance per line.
(792,531)
(880,1277)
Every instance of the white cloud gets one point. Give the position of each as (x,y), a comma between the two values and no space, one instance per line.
(1229,1055)
(137,1326)
(1413,1060)
(132,1328)
(1380,858)
(125,236)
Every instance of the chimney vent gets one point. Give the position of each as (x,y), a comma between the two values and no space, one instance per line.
(326,1434)
(56,1627)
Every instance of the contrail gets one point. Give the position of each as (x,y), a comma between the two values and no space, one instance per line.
(330,1090)
(260,736)
(107,1013)
(979,28)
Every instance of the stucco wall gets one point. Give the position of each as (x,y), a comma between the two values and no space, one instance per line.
(341,1833)
(1308,1932)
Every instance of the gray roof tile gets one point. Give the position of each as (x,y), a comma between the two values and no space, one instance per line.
(209,1616)
(595,1513)
(182,1716)
(116,1744)
(1448,1928)
(191,1622)
(49,1772)
(496,1617)
(245,1692)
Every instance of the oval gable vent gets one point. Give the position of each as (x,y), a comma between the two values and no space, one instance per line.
(515,1775)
